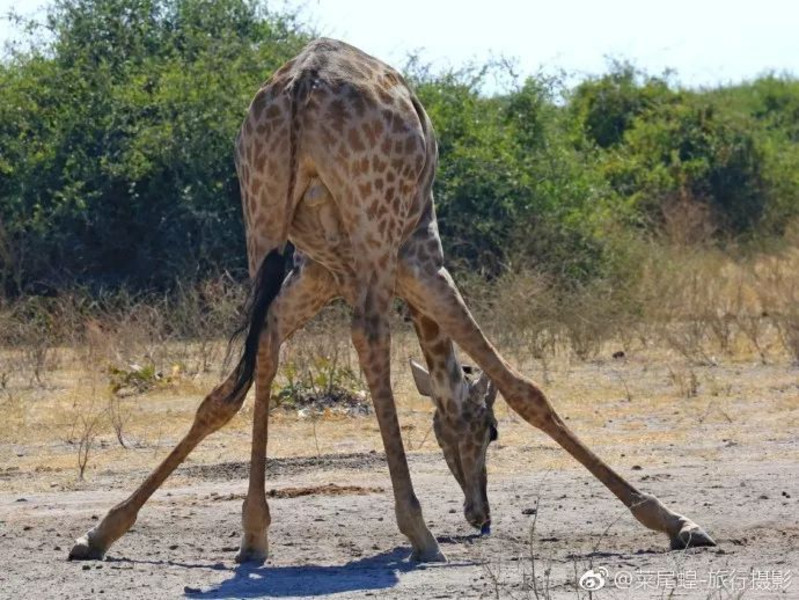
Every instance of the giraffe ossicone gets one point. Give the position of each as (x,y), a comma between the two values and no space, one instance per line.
(338,156)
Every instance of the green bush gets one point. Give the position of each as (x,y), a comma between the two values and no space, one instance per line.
(117,124)
(607,106)
(512,191)
(117,135)
(691,153)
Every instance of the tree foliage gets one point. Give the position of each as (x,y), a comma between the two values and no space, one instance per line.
(117,125)
(117,136)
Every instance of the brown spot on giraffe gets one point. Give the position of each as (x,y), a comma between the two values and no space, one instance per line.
(354,139)
(273,112)
(399,125)
(358,102)
(338,115)
(378,165)
(384,96)
(396,204)
(365,189)
(412,145)
(260,162)
(372,131)
(385,146)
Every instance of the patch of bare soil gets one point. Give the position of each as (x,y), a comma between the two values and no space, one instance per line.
(330,489)
(285,467)
(726,455)
(342,542)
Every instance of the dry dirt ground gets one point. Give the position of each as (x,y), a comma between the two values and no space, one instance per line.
(717,443)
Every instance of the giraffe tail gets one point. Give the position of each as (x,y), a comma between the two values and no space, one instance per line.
(269,278)
(265,288)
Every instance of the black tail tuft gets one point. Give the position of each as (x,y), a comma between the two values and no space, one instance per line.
(265,288)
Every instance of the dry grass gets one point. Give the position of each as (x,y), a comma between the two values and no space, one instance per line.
(116,380)
(698,303)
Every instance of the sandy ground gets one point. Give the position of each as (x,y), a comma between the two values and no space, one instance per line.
(727,456)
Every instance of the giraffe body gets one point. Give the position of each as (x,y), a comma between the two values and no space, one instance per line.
(338,156)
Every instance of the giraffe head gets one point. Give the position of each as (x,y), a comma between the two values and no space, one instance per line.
(464,425)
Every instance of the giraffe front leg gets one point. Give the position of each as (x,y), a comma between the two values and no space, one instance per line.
(306,290)
(436,295)
(372,340)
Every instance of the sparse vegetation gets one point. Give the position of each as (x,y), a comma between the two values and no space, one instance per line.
(85,436)
(633,241)
(118,416)
(625,213)
(320,385)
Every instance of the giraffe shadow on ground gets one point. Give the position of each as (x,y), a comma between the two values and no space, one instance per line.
(376,572)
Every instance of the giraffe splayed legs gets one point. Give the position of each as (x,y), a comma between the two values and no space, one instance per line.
(338,156)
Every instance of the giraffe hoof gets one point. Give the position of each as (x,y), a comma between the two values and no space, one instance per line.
(254,549)
(433,555)
(486,528)
(252,556)
(84,549)
(691,536)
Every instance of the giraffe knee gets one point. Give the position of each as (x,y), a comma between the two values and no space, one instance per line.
(217,409)
(531,404)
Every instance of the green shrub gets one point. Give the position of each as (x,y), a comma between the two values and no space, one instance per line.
(117,140)
(116,172)
(691,153)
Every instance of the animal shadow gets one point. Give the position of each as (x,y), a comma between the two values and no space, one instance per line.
(372,573)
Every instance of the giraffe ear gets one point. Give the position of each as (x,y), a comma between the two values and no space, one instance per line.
(422,379)
(491,395)
(485,389)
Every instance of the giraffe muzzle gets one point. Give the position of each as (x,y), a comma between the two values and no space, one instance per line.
(478,516)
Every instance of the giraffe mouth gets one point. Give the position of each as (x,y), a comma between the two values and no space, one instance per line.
(481,523)
(478,519)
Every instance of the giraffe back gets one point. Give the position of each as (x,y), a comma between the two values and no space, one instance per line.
(336,151)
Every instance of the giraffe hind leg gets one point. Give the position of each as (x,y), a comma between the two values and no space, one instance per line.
(307,289)
(212,414)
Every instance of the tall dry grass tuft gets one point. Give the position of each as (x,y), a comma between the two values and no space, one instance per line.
(777,281)
(705,304)
(697,302)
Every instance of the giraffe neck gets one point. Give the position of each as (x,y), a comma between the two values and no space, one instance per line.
(448,380)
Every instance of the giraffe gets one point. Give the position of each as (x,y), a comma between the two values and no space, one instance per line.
(338,156)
